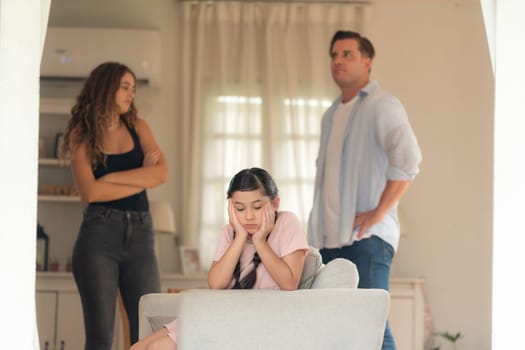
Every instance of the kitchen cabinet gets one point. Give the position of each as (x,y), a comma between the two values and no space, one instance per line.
(59,314)
(46,319)
(59,317)
(59,310)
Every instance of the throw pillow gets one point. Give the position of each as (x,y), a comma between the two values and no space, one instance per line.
(338,273)
(312,264)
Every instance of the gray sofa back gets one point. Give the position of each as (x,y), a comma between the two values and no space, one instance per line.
(306,319)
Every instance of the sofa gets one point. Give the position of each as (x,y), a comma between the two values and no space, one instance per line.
(327,312)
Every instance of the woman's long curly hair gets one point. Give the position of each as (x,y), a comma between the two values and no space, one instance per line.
(93,109)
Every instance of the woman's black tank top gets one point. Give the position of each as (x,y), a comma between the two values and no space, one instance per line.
(125,161)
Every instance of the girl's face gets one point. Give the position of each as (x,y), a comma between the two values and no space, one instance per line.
(249,208)
(125,93)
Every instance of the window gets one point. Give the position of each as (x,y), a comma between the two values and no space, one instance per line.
(284,141)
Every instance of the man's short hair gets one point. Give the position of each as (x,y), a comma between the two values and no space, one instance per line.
(365,46)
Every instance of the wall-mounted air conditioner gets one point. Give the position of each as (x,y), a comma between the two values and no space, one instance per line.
(70,53)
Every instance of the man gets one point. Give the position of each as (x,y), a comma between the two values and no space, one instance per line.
(368,154)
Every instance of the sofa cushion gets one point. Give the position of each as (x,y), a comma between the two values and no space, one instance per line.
(312,263)
(338,273)
(157,322)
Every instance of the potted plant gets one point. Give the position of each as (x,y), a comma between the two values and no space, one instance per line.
(69,264)
(451,338)
(53,265)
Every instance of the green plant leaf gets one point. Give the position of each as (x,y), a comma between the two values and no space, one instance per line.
(450,337)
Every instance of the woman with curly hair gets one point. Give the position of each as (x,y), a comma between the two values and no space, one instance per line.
(114,159)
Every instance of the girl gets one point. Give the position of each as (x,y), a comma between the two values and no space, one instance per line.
(114,159)
(260,248)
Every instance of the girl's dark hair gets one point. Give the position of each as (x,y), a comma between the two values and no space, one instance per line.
(94,106)
(251,180)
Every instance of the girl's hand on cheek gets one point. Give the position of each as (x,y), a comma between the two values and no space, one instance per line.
(239,230)
(268,221)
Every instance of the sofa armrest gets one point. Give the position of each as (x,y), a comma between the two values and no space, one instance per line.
(304,319)
(155,310)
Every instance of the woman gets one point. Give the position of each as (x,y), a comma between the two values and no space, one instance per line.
(259,249)
(114,159)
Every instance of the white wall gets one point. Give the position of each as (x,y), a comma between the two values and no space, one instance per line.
(433,55)
(22,29)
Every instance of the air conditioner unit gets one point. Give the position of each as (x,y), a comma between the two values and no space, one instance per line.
(70,53)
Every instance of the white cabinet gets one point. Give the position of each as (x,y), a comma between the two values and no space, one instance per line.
(59,310)
(46,318)
(59,314)
(407,310)
(59,317)
(70,324)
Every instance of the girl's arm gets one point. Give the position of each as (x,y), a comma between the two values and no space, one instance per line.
(221,271)
(91,189)
(285,271)
(155,169)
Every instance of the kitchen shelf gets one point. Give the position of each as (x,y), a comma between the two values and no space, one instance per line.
(59,199)
(56,106)
(54,162)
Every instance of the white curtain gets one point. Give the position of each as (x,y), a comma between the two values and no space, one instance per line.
(255,81)
(23,26)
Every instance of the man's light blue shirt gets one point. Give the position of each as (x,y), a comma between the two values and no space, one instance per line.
(379,145)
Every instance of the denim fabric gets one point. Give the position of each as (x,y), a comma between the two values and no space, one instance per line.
(373,259)
(114,250)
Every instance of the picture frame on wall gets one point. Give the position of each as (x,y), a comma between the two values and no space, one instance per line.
(191,262)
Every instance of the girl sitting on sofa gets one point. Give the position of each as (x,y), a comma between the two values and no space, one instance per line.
(260,248)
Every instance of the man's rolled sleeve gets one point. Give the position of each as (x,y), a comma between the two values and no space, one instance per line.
(398,141)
